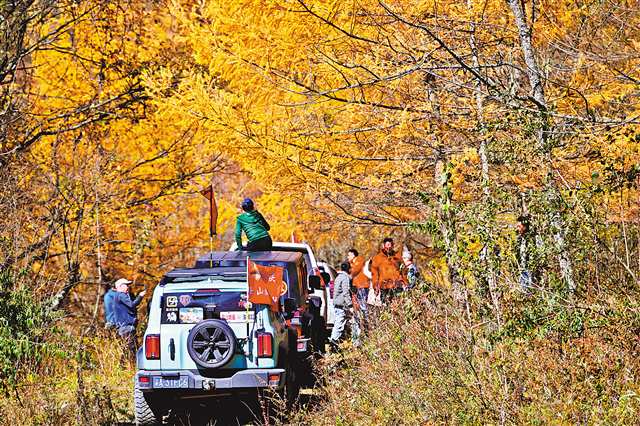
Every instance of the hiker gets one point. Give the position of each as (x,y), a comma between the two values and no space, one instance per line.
(341,303)
(109,314)
(359,280)
(255,228)
(125,313)
(385,272)
(410,270)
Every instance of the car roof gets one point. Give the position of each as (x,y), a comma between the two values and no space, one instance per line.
(299,248)
(235,273)
(239,258)
(288,244)
(228,265)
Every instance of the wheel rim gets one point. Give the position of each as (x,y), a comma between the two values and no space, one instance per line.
(211,345)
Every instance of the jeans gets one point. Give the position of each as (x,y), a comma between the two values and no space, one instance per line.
(362,295)
(339,322)
(128,335)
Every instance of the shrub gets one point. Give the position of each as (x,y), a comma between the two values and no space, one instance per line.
(425,363)
(25,325)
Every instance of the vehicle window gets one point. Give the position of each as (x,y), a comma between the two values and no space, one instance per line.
(192,307)
(294,285)
(302,274)
(307,261)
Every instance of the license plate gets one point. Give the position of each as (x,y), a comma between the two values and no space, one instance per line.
(159,382)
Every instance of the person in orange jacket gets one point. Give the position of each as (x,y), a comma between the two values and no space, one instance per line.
(359,280)
(385,271)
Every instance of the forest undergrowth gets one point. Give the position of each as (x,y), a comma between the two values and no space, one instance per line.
(553,361)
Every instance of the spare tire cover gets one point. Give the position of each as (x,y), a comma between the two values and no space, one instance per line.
(211,343)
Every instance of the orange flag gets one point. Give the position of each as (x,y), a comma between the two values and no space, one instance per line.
(265,284)
(213,209)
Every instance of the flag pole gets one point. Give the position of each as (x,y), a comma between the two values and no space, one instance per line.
(246,315)
(210,251)
(213,218)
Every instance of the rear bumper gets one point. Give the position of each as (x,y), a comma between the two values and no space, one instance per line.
(189,380)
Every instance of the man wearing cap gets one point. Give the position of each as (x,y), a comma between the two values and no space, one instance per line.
(109,314)
(255,227)
(124,310)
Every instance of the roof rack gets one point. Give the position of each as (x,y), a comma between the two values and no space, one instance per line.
(222,274)
(220,259)
(227,265)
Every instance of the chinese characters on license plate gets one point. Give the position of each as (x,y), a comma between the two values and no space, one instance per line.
(159,382)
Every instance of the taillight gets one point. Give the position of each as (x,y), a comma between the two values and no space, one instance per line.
(265,345)
(274,380)
(152,346)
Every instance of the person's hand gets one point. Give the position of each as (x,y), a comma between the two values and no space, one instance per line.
(142,293)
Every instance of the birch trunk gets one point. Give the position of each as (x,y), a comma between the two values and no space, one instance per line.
(490,260)
(534,75)
(448,232)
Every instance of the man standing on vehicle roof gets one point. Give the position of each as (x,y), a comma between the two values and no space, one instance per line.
(341,303)
(255,227)
(385,271)
(124,310)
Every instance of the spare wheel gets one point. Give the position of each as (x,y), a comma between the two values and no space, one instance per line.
(211,343)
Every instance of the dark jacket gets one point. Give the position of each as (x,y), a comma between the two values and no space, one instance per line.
(109,314)
(125,309)
(341,291)
(254,226)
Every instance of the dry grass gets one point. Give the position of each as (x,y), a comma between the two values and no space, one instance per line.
(93,386)
(424,363)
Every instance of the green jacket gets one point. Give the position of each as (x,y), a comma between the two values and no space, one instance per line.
(254,226)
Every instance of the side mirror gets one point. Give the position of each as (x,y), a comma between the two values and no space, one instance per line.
(290,305)
(314,282)
(326,278)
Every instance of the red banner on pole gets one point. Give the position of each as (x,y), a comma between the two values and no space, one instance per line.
(265,284)
(213,209)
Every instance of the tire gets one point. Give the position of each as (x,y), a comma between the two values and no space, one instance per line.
(292,384)
(211,344)
(147,413)
(291,389)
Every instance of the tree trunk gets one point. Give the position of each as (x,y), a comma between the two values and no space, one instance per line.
(490,259)
(448,232)
(534,75)
(59,299)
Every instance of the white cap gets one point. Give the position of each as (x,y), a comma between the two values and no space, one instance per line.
(122,281)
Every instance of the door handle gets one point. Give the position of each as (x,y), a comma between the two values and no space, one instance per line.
(172,349)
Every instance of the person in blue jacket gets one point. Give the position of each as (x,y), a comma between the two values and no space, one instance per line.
(125,309)
(109,314)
